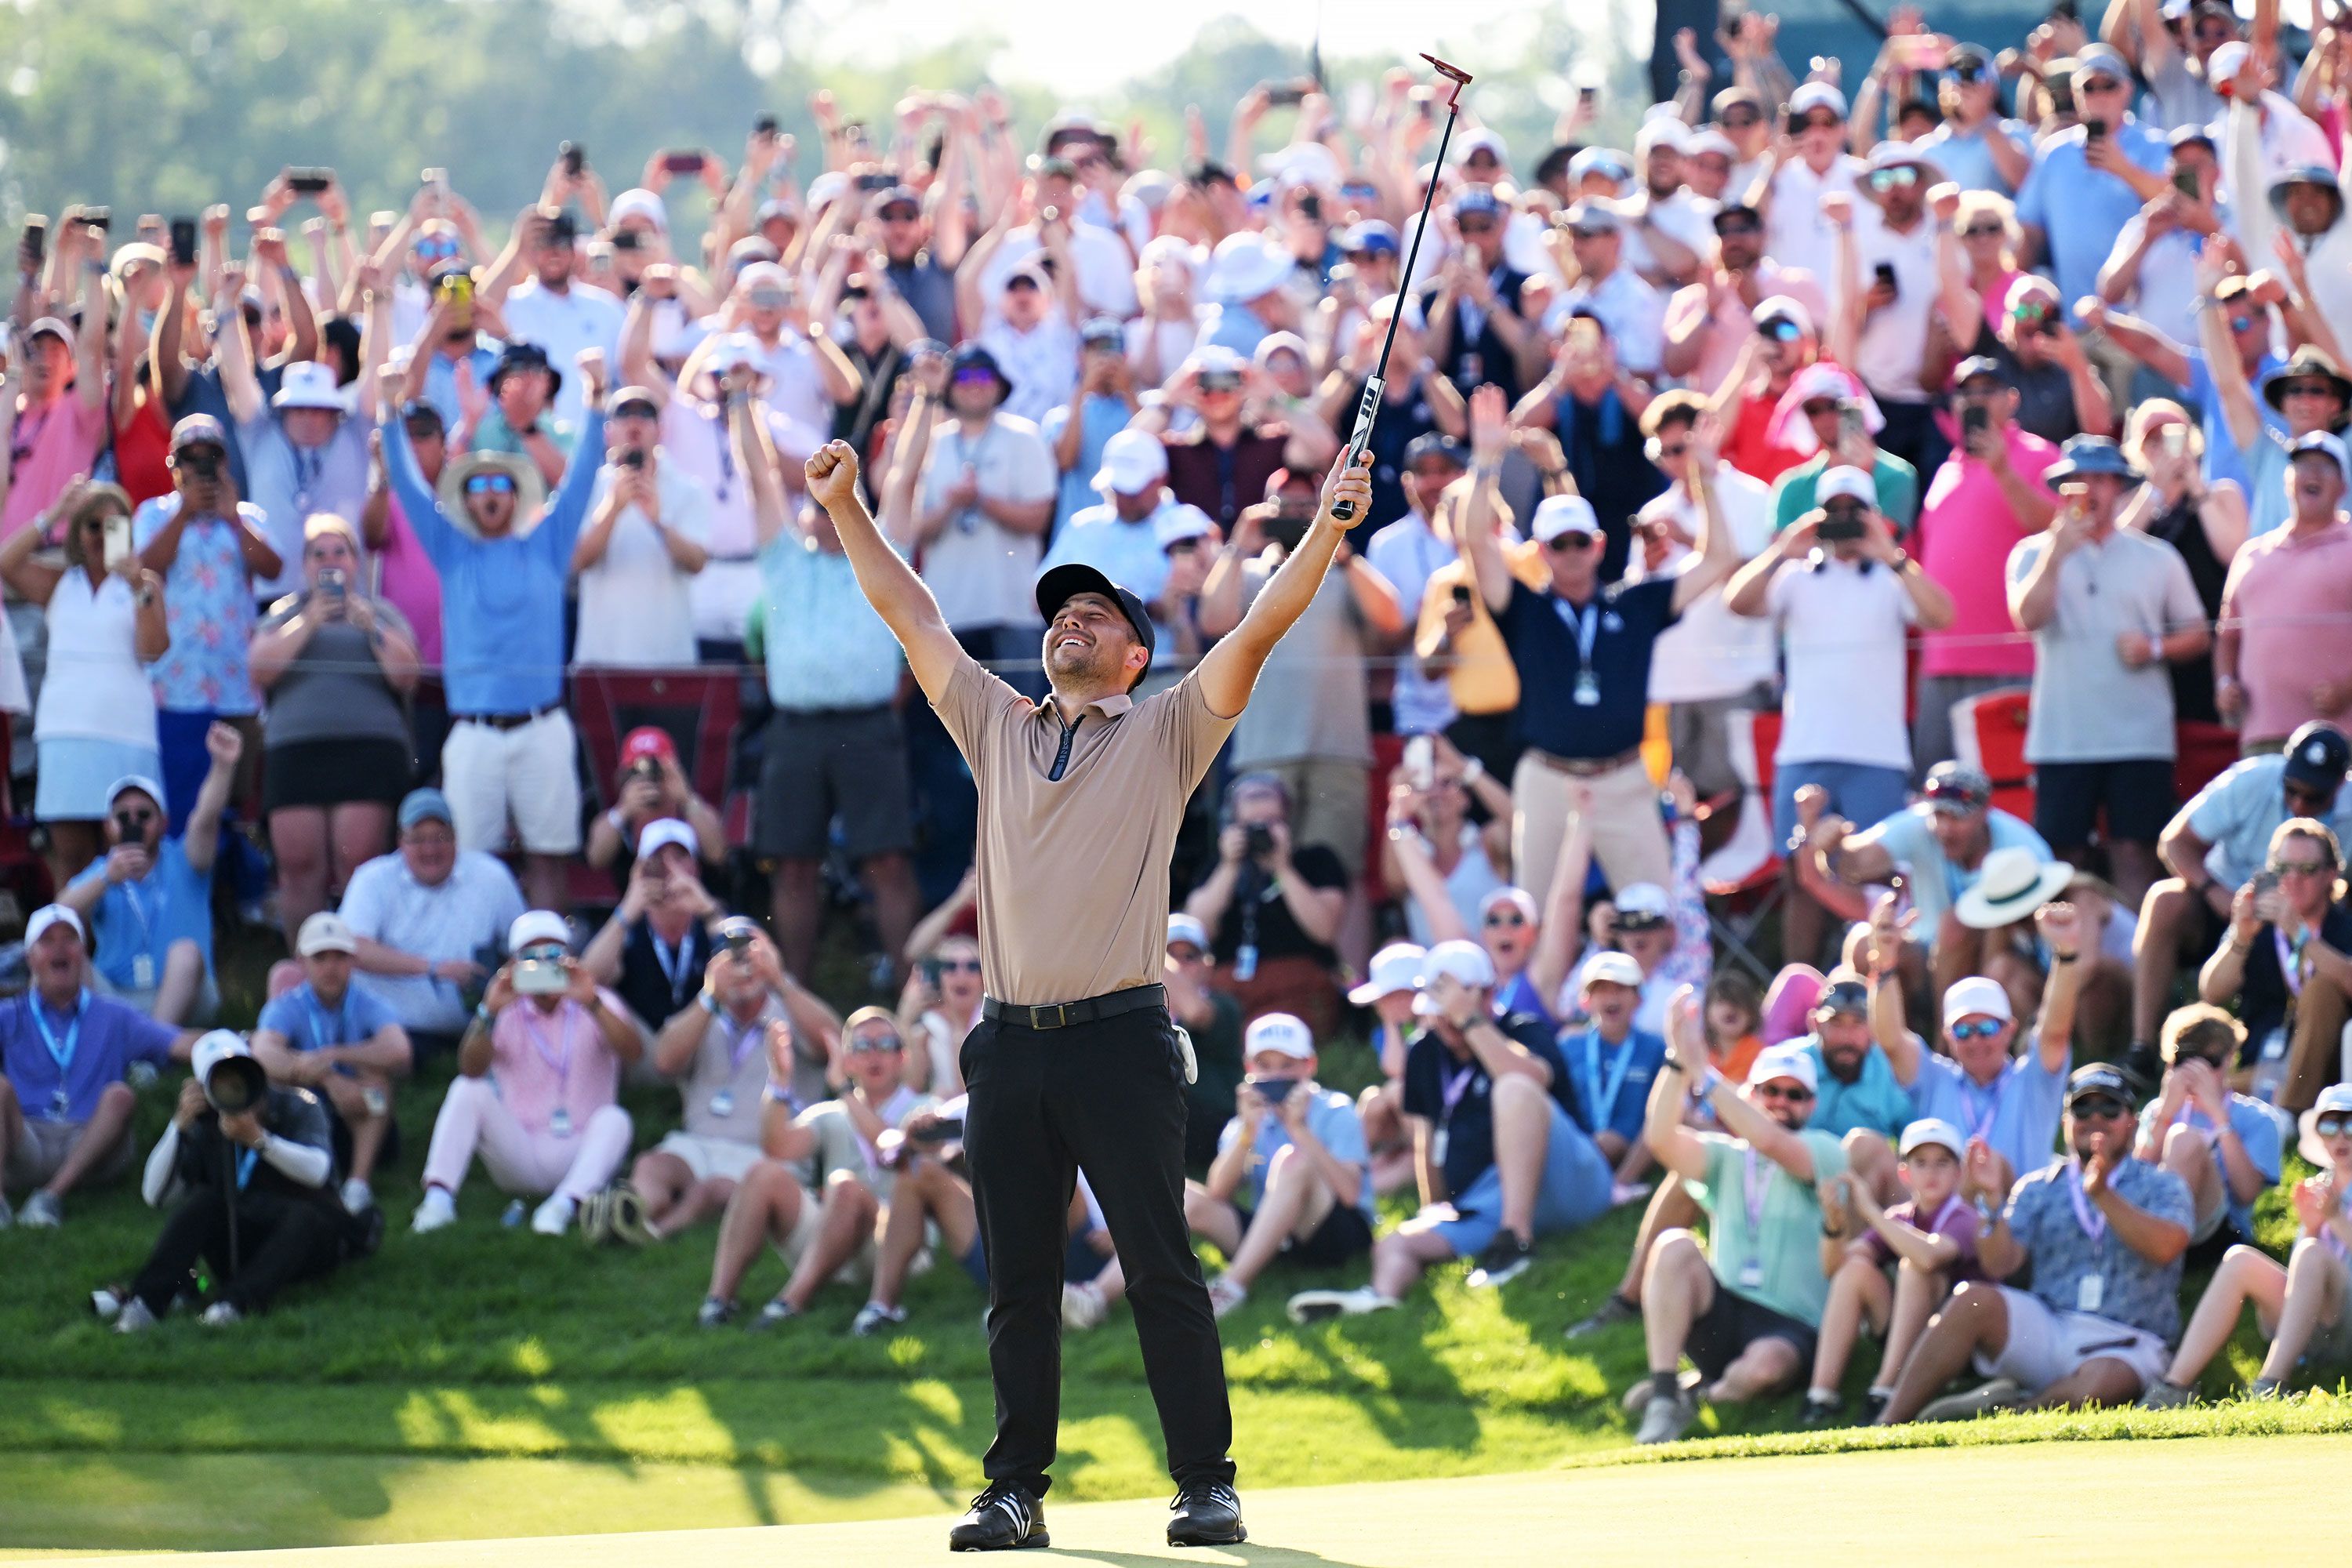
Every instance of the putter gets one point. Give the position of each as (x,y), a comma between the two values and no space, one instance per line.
(1369,408)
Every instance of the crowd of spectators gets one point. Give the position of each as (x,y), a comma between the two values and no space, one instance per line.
(1833,732)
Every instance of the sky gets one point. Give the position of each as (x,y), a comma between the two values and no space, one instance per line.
(1074,45)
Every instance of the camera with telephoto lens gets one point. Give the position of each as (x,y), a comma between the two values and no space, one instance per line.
(236,1085)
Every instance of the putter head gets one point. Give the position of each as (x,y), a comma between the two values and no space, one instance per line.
(1455,74)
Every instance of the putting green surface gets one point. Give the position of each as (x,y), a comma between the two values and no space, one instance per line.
(2163,1500)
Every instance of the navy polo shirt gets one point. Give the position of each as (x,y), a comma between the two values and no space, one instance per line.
(1537,628)
(1452,1093)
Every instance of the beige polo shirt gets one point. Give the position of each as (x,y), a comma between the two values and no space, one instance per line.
(1073,872)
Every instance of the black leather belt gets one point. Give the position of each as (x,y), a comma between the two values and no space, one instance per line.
(508,720)
(1062,1015)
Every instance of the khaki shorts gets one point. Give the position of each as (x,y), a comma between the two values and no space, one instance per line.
(2046,1345)
(706,1158)
(33,1158)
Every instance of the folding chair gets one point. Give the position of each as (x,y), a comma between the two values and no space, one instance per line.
(1989,733)
(1744,879)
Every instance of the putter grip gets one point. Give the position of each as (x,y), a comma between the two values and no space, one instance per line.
(1366,411)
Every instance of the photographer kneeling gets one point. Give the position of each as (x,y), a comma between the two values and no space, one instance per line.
(256,1165)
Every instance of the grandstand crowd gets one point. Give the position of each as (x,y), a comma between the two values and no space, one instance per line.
(1833,735)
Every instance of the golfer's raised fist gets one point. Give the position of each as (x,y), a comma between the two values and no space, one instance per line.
(832,474)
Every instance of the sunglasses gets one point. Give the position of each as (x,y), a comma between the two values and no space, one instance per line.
(2300,868)
(437,250)
(2305,795)
(899,214)
(1981,1029)
(1902,176)
(2095,1107)
(490,484)
(959,965)
(1821,407)
(1782,330)
(1982,231)
(1739,226)
(2083,85)
(2031,310)
(1475,226)
(133,821)
(1568,543)
(542,952)
(866,1047)
(1797,1094)
(1211,384)
(2241,323)
(1502,918)
(2308,389)
(2335,1124)
(1820,122)
(975,378)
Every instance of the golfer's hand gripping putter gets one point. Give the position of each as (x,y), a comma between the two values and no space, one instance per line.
(1369,408)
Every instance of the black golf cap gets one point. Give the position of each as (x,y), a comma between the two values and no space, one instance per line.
(2098,1079)
(1059,585)
(2317,757)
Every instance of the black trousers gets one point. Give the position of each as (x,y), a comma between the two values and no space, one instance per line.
(280,1240)
(1107,1098)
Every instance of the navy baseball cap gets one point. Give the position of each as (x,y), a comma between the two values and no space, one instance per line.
(1059,584)
(2317,757)
(1977,365)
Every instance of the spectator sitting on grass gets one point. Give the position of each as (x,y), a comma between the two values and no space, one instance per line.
(426,916)
(837,1226)
(2305,1310)
(149,900)
(1501,1163)
(1747,1308)
(2103,1234)
(261,1176)
(332,1037)
(1929,1239)
(939,1005)
(1389,992)
(2225,1146)
(712,1048)
(539,1068)
(1611,1064)
(1856,1084)
(933,1187)
(655,949)
(2284,964)
(65,1111)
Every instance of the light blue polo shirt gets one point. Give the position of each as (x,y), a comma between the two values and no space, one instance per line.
(1873,1100)
(1331,1117)
(2258,1134)
(2017,1113)
(2082,209)
(1937,882)
(2238,811)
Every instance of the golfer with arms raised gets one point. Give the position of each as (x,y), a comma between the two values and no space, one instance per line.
(1075,1063)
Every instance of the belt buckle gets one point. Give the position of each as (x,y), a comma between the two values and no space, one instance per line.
(1061,1012)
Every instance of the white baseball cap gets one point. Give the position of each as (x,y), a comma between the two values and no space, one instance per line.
(1173,524)
(1932,1129)
(1788,1059)
(535,926)
(1132,462)
(1557,515)
(1642,903)
(214,1047)
(1466,962)
(1976,995)
(1396,967)
(325,932)
(662,831)
(1279,1032)
(1848,482)
(1612,969)
(1519,899)
(638,202)
(1182,927)
(1815,95)
(49,915)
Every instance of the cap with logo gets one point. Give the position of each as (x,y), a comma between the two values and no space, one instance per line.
(1958,788)
(2317,757)
(2098,1079)
(306,383)
(1279,1032)
(198,430)
(1396,967)
(1643,906)
(1056,586)
(2326,443)
(647,740)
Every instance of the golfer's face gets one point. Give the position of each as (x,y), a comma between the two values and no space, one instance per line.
(1089,633)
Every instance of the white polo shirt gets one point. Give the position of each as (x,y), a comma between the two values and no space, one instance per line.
(1843,624)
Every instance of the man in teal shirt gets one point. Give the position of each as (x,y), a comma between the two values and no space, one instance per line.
(1829,408)
(1746,1311)
(1854,1082)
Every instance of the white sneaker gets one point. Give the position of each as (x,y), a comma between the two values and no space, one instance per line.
(1224,1295)
(220,1315)
(1664,1420)
(41,1212)
(553,1217)
(134,1318)
(358,1196)
(1083,1306)
(437,1210)
(1314,1306)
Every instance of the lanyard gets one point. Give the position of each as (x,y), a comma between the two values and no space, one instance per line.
(246,1159)
(677,962)
(309,462)
(1756,1184)
(1604,1102)
(559,1063)
(1935,1225)
(2094,1223)
(2290,960)
(1454,1092)
(148,919)
(63,1054)
(318,1016)
(739,1040)
(1584,623)
(725,489)
(1980,1121)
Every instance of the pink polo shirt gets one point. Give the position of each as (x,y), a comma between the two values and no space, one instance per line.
(540,1060)
(52,444)
(1966,532)
(411,585)
(2289,596)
